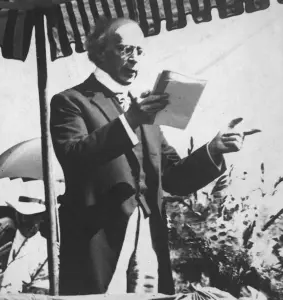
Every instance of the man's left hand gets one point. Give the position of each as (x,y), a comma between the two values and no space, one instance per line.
(229,140)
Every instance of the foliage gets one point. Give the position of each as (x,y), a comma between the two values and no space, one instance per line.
(228,235)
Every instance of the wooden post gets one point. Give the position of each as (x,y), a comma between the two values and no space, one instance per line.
(53,260)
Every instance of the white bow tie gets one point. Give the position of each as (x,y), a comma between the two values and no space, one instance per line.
(124,101)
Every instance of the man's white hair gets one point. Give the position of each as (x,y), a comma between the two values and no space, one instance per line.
(97,40)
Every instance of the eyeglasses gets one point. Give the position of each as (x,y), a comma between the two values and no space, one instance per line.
(127,51)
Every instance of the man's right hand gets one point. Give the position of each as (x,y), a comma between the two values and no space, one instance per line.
(144,110)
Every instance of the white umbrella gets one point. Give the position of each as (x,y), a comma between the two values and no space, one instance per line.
(24,160)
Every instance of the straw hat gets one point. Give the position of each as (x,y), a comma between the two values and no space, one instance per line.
(27,205)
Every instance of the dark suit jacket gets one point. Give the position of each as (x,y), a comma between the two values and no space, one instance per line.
(93,148)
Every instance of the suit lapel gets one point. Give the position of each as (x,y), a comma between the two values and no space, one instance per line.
(106,106)
(100,96)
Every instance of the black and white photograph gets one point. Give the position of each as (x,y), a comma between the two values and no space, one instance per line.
(141,149)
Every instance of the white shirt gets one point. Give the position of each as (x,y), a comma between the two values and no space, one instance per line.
(116,88)
(27,264)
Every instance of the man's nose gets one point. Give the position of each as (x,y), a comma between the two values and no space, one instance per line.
(135,57)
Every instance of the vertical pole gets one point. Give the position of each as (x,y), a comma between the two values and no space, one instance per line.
(53,263)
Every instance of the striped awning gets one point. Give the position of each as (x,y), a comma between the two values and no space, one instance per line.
(69,21)
(15,32)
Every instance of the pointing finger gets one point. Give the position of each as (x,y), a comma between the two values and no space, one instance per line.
(231,139)
(235,122)
(250,132)
(229,134)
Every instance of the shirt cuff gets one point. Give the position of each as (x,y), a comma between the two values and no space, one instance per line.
(218,166)
(133,137)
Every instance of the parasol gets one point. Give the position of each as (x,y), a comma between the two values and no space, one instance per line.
(68,22)
(24,160)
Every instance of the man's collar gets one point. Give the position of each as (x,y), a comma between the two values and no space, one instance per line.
(109,82)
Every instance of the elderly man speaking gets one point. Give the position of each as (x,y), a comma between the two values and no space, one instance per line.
(116,164)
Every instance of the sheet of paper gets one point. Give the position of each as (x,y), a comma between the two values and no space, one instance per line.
(184,94)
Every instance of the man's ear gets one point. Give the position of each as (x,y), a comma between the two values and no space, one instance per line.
(101,50)
(100,55)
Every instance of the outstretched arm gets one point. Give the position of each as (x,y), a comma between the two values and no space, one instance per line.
(181,177)
(184,176)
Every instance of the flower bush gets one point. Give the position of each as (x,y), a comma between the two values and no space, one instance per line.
(228,235)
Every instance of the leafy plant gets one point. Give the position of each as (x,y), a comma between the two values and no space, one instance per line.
(229,233)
